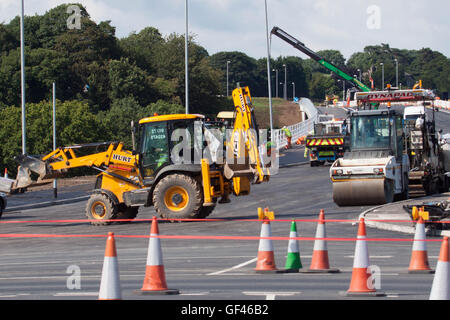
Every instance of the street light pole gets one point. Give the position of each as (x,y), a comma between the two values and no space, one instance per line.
(228,62)
(396,73)
(276,82)
(22,68)
(186,61)
(285,83)
(268,72)
(293,91)
(343,90)
(55,188)
(382,76)
(359,70)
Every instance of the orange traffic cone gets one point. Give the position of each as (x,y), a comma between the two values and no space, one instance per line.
(266,259)
(440,289)
(319,261)
(155,279)
(419,257)
(110,282)
(361,282)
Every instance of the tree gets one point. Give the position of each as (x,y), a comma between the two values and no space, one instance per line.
(142,48)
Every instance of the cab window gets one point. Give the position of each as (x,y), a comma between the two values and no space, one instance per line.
(154,147)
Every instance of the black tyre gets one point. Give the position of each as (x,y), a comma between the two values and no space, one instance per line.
(126,212)
(388,191)
(205,211)
(100,208)
(405,194)
(178,196)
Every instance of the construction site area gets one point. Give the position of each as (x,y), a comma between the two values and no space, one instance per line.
(224,209)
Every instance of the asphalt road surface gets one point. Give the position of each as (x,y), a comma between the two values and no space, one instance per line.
(66,262)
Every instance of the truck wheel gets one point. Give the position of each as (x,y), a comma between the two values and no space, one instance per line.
(126,212)
(100,208)
(178,196)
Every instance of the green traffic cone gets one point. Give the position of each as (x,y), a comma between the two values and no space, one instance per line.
(293,263)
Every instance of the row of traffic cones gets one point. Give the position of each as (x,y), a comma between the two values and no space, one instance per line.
(154,280)
(319,262)
(361,283)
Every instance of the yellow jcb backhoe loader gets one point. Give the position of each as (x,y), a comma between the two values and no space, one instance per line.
(161,171)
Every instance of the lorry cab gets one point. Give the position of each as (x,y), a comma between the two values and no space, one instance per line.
(411,114)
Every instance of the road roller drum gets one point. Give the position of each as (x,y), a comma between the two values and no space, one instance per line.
(363,192)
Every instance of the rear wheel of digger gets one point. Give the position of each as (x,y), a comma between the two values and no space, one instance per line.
(178,196)
(100,209)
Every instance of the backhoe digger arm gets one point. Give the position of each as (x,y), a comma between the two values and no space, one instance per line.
(243,144)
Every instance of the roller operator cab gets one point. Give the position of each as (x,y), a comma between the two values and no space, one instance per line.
(375,169)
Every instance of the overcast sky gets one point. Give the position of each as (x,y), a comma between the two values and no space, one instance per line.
(239,25)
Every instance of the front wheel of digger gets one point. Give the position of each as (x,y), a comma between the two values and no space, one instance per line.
(178,196)
(100,209)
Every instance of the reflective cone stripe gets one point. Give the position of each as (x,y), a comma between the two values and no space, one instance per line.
(293,255)
(360,275)
(110,281)
(266,259)
(155,278)
(419,256)
(320,254)
(440,289)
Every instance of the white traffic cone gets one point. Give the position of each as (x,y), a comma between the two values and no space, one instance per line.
(440,289)
(360,284)
(110,283)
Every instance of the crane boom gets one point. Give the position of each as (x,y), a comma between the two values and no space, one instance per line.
(301,46)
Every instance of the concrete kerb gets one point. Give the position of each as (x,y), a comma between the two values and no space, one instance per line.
(45,204)
(370,214)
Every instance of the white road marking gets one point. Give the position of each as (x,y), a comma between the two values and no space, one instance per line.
(76,294)
(232,268)
(194,293)
(269,295)
(373,257)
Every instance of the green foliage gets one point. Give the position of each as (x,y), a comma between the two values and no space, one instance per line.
(321,85)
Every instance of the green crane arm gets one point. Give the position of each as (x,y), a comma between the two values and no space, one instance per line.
(301,46)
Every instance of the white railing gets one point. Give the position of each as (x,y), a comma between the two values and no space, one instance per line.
(299,129)
(442,104)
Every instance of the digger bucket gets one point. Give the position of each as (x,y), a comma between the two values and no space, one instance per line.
(27,165)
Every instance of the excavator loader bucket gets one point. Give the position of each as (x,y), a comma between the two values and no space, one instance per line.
(27,166)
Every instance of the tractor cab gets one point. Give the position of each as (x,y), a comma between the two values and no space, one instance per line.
(167,140)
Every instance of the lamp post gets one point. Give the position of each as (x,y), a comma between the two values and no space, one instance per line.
(55,184)
(396,72)
(268,71)
(359,70)
(228,62)
(285,83)
(276,82)
(343,90)
(293,91)
(22,71)
(382,75)
(186,61)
